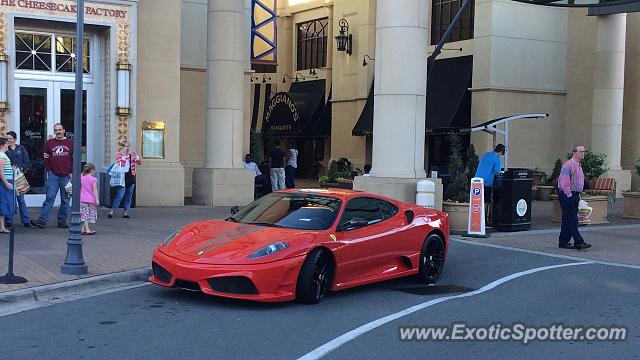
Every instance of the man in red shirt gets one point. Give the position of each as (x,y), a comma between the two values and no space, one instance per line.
(58,163)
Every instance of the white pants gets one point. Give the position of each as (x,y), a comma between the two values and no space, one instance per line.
(277,179)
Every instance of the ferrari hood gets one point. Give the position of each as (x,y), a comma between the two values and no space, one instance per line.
(224,242)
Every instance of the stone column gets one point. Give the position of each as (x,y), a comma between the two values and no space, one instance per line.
(608,93)
(402,37)
(223,181)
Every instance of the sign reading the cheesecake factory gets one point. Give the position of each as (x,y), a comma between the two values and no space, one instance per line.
(65,7)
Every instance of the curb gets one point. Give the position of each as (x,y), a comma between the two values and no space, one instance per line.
(73,287)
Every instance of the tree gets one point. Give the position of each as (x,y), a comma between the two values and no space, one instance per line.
(458,188)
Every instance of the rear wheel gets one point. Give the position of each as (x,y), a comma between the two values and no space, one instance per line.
(431,259)
(314,278)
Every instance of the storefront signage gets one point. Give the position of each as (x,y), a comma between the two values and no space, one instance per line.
(65,8)
(476,225)
(282,115)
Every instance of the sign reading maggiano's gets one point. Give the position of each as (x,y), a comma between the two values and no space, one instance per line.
(65,7)
(282,115)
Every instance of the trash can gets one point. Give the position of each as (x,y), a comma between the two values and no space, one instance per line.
(512,200)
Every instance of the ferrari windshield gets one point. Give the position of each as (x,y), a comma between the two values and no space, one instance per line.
(291,210)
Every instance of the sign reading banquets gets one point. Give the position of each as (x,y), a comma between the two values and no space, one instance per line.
(65,8)
(282,116)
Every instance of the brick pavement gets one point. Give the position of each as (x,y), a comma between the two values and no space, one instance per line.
(119,245)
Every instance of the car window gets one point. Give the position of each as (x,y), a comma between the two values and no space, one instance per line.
(291,210)
(370,209)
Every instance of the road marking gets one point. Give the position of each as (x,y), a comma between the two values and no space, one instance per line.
(536,252)
(351,335)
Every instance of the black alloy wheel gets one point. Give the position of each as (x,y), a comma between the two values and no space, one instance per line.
(431,259)
(314,278)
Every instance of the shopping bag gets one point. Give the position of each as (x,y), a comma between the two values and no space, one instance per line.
(20,182)
(117,175)
(69,189)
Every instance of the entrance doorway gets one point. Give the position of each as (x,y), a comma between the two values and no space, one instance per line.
(41,105)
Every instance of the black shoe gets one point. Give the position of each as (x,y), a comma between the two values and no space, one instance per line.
(39,223)
(126,216)
(582,246)
(566,246)
(26,224)
(63,225)
(110,215)
(8,225)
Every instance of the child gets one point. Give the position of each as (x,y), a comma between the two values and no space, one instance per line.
(88,198)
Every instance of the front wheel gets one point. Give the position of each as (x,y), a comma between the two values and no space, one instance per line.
(314,278)
(431,259)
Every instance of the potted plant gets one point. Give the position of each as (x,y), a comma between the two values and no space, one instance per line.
(456,195)
(632,199)
(338,176)
(538,176)
(548,183)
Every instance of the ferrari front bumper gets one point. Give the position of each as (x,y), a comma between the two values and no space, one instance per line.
(269,282)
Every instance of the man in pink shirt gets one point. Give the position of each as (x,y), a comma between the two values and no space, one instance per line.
(570,185)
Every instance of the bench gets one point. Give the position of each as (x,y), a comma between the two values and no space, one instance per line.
(602,186)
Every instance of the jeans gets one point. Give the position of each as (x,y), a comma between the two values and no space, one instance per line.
(290,177)
(277,179)
(24,211)
(127,197)
(55,183)
(569,227)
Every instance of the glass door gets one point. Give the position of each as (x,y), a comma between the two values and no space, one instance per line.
(64,104)
(35,107)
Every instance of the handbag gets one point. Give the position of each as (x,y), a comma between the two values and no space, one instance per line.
(20,182)
(69,189)
(117,175)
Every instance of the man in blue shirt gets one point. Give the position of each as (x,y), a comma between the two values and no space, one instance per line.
(488,167)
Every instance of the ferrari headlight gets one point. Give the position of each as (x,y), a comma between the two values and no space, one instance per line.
(269,249)
(170,238)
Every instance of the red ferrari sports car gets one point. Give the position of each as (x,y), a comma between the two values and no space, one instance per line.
(301,243)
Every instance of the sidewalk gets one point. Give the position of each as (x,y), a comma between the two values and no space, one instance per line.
(119,245)
(126,244)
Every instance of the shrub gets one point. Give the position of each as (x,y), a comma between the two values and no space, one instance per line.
(638,167)
(458,189)
(593,165)
(555,174)
(337,169)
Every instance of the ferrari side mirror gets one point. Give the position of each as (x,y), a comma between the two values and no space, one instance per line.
(234,210)
(354,223)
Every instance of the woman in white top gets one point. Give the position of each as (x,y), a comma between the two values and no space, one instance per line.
(292,166)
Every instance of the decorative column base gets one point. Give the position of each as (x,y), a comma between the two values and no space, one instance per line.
(402,189)
(623,180)
(159,184)
(222,187)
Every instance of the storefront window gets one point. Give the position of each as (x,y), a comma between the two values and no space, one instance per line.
(312,44)
(443,12)
(35,52)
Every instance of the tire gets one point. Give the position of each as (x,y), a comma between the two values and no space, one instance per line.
(431,259)
(314,278)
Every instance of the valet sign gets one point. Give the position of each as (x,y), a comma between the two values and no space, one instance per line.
(476,224)
(64,7)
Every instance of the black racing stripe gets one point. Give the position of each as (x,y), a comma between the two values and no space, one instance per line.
(230,239)
(239,228)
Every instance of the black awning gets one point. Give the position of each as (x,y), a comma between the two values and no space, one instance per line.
(322,126)
(364,126)
(448,97)
(295,113)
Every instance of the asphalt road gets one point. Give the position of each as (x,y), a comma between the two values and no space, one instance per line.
(151,322)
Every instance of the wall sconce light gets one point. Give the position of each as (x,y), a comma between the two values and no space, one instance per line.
(364,60)
(296,79)
(312,72)
(265,78)
(344,40)
(124,78)
(4,77)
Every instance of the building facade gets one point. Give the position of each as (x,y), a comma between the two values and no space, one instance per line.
(194,85)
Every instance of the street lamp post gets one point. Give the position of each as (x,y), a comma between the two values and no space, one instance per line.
(74,262)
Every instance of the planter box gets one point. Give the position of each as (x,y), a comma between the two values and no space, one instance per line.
(543,192)
(458,215)
(338,185)
(631,205)
(598,203)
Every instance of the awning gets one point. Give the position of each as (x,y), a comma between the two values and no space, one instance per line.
(298,112)
(448,98)
(364,126)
